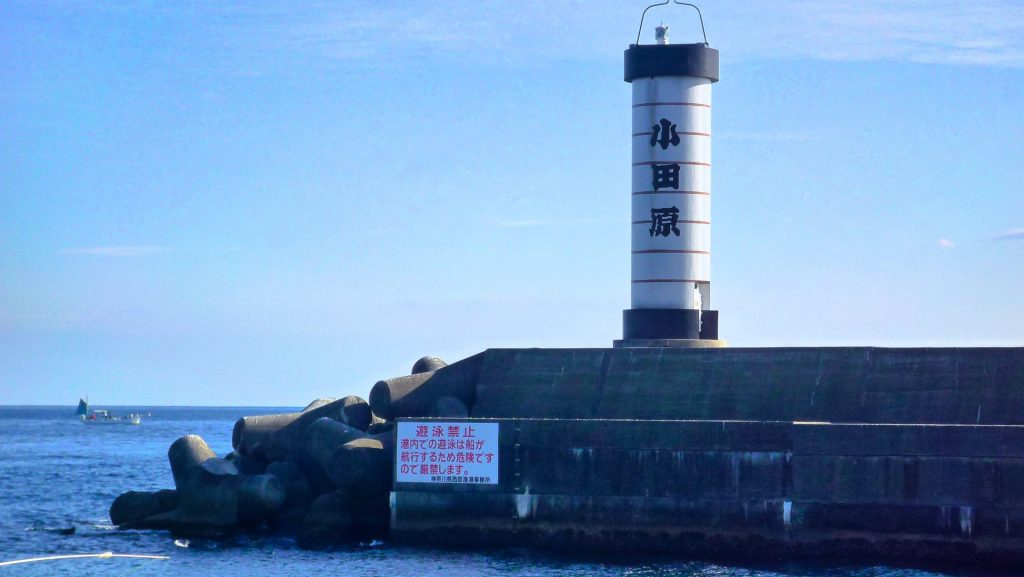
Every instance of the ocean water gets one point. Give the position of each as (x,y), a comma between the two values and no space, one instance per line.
(58,477)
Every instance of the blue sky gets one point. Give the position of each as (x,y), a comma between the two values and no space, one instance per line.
(215,203)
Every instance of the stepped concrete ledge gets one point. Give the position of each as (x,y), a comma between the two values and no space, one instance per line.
(911,454)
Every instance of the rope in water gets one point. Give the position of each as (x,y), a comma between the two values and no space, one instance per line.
(106,555)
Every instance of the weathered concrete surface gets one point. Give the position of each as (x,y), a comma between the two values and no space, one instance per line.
(365,465)
(448,407)
(694,460)
(840,385)
(914,454)
(325,440)
(130,510)
(371,516)
(908,440)
(387,395)
(299,493)
(282,436)
(210,496)
(246,465)
(427,364)
(378,428)
(756,489)
(328,522)
(315,474)
(186,456)
(414,395)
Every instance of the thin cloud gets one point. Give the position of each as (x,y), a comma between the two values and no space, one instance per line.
(341,32)
(252,38)
(1012,234)
(767,136)
(977,33)
(946,243)
(552,222)
(119,251)
(514,223)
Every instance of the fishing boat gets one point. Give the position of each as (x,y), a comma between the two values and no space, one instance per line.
(98,416)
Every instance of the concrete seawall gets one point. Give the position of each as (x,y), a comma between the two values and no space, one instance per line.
(760,453)
(738,489)
(840,385)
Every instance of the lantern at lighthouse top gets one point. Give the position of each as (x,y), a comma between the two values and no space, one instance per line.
(671,192)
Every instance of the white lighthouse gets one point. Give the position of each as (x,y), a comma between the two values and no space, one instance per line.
(671,194)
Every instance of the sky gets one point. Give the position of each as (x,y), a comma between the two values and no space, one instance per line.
(221,203)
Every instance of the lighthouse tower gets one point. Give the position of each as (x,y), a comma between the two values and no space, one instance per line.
(671,195)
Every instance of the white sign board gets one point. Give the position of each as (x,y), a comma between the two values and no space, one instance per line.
(443,452)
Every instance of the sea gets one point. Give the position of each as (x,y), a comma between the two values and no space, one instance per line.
(58,477)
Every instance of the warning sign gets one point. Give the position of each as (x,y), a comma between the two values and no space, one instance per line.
(441,452)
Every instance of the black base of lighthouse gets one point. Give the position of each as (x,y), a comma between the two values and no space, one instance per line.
(664,324)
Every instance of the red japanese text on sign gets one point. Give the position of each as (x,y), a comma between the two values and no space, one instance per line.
(447,452)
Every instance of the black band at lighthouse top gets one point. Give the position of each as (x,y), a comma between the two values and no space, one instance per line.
(647,60)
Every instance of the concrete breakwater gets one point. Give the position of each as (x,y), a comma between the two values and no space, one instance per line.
(739,489)
(914,454)
(910,454)
(322,474)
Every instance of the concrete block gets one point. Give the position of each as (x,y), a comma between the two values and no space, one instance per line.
(909,440)
(842,479)
(841,384)
(642,434)
(414,395)
(653,473)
